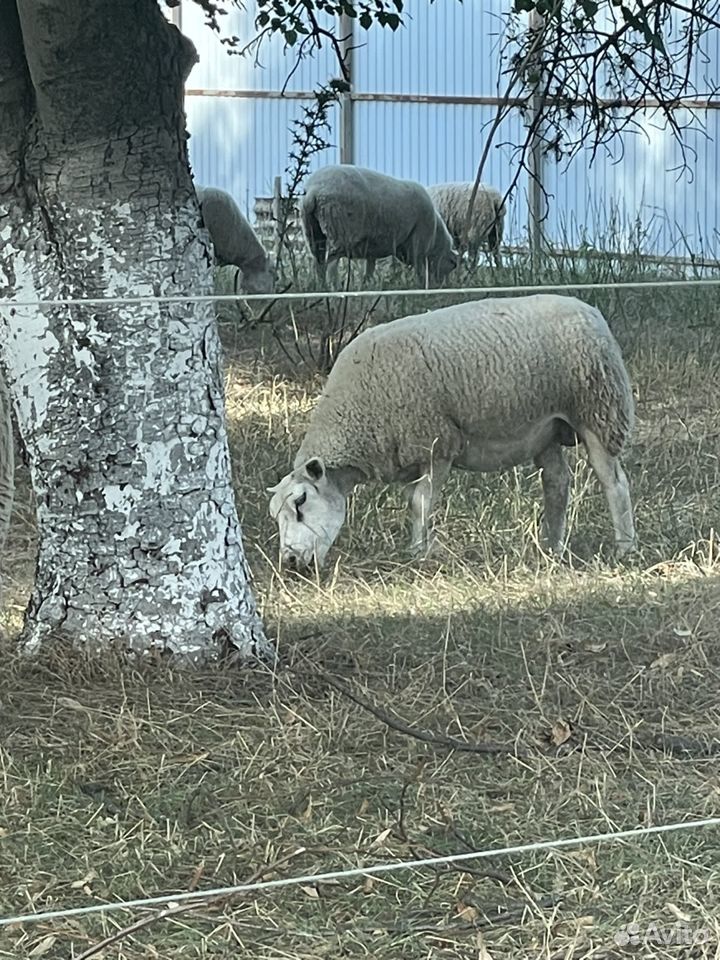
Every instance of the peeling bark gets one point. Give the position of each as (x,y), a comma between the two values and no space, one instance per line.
(7,465)
(121,408)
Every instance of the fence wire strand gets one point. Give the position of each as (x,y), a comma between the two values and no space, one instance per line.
(354,294)
(200,896)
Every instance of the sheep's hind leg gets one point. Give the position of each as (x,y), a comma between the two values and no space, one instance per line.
(423,495)
(555,477)
(617,492)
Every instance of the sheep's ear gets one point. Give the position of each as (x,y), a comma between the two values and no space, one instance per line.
(315,469)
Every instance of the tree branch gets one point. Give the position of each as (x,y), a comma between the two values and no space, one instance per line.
(434,739)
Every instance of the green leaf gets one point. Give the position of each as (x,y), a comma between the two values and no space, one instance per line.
(365,20)
(290,37)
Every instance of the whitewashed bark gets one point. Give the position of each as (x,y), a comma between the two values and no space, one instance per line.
(7,465)
(120,407)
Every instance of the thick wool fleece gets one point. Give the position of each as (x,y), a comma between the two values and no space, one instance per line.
(419,388)
(349,211)
(7,463)
(488,213)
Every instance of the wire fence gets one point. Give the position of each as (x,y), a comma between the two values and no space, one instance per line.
(201,896)
(354,294)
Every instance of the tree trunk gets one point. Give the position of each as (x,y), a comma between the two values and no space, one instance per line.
(7,465)
(120,406)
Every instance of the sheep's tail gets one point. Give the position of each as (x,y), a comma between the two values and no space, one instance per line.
(316,239)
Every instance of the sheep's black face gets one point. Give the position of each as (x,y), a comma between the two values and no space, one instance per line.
(309,511)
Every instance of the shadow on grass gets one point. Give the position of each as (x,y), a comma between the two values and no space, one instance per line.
(163,779)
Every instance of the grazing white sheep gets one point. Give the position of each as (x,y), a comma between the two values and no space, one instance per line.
(482,386)
(349,211)
(234,240)
(487,223)
(7,463)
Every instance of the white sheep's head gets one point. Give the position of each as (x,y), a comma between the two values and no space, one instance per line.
(310,511)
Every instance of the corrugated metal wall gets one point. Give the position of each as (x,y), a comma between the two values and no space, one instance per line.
(678,209)
(241,143)
(446,50)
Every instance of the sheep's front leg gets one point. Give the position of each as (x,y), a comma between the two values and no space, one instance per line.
(423,495)
(333,273)
(422,273)
(555,477)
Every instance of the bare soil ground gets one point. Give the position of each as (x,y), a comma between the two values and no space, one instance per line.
(597,683)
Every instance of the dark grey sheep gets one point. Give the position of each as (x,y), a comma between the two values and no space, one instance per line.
(234,240)
(349,211)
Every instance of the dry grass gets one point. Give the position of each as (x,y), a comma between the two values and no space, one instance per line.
(118,785)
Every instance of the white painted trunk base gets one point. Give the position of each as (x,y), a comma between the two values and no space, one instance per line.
(7,463)
(122,413)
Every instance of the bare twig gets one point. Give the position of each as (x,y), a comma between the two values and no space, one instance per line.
(677,744)
(434,739)
(506,104)
(309,138)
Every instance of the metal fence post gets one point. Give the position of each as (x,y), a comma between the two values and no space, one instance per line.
(537,206)
(347,146)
